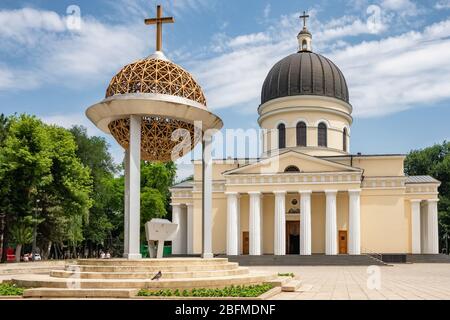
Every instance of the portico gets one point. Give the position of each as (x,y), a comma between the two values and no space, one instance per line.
(280,216)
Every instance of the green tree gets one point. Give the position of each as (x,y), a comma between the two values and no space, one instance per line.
(93,152)
(42,177)
(4,128)
(435,161)
(22,234)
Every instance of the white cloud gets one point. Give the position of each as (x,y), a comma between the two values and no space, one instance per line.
(50,53)
(385,76)
(404,7)
(442,4)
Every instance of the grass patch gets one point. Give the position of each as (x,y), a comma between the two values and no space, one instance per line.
(9,289)
(289,274)
(233,291)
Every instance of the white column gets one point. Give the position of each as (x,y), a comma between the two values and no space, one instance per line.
(176,218)
(279,246)
(354,222)
(239,225)
(190,228)
(232,223)
(126,245)
(305,223)
(415,226)
(331,224)
(433,235)
(207,196)
(134,187)
(255,223)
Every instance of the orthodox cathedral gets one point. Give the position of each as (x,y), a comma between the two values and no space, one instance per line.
(306,193)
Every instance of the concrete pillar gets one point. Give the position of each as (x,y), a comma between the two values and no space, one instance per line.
(305,223)
(232,223)
(279,246)
(190,228)
(255,223)
(415,227)
(354,222)
(207,195)
(176,218)
(126,245)
(433,234)
(134,189)
(331,224)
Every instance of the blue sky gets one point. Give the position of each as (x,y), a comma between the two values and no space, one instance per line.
(395,55)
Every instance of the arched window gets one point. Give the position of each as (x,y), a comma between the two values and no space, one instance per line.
(281,136)
(301,134)
(304,45)
(292,169)
(322,135)
(344,139)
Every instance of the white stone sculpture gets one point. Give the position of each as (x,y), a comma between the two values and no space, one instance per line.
(159,230)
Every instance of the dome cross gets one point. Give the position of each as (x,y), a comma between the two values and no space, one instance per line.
(159,21)
(304,17)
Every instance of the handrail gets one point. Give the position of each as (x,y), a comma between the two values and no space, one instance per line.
(373,254)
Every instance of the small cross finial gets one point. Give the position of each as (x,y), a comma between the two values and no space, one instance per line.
(159,20)
(304,17)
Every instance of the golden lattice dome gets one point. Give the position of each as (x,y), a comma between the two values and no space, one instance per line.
(156,75)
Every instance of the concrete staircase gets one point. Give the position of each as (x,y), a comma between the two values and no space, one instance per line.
(427,258)
(120,278)
(313,260)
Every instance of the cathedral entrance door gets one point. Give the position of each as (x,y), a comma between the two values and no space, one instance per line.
(292,237)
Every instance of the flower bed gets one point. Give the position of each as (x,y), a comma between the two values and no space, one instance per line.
(233,291)
(8,289)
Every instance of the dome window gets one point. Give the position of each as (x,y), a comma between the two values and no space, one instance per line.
(305,45)
(292,169)
(322,135)
(301,134)
(281,136)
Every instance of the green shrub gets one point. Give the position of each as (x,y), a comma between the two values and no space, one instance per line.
(233,291)
(8,289)
(288,274)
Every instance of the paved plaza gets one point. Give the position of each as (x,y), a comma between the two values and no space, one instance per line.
(401,281)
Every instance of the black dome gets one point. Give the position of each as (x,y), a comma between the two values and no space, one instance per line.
(304,73)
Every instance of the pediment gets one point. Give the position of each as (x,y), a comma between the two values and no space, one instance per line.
(278,164)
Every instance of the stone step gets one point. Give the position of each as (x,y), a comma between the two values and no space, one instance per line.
(279,282)
(291,286)
(151,262)
(148,275)
(79,293)
(154,268)
(297,260)
(45,281)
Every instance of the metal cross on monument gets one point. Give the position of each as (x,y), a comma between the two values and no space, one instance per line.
(304,17)
(159,20)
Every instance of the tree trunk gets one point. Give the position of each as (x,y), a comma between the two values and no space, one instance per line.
(4,258)
(49,250)
(18,252)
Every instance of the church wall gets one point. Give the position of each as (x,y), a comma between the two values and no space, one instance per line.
(268,223)
(335,124)
(385,224)
(342,211)
(219,223)
(318,207)
(218,169)
(197,232)
(383,167)
(244,210)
